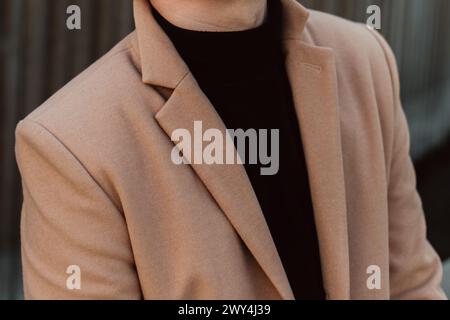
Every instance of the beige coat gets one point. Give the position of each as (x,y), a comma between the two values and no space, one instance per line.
(101,193)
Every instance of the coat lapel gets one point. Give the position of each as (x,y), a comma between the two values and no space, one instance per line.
(312,74)
(162,67)
(313,79)
(227,183)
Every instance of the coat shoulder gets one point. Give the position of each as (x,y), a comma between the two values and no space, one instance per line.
(362,55)
(96,100)
(73,96)
(97,114)
(345,37)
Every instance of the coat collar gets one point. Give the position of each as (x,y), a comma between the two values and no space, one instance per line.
(312,74)
(160,63)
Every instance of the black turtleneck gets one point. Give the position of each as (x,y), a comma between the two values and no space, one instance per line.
(243,74)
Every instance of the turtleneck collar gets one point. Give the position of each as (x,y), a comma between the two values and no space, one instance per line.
(228,54)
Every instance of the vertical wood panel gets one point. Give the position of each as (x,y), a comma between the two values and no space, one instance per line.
(12,108)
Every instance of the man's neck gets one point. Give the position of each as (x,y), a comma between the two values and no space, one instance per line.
(213,15)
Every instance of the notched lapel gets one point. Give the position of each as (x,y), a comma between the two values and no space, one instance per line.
(227,183)
(312,74)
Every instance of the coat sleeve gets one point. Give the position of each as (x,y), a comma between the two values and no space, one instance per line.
(75,243)
(415,267)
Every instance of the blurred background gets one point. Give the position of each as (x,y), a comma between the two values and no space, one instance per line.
(38,55)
